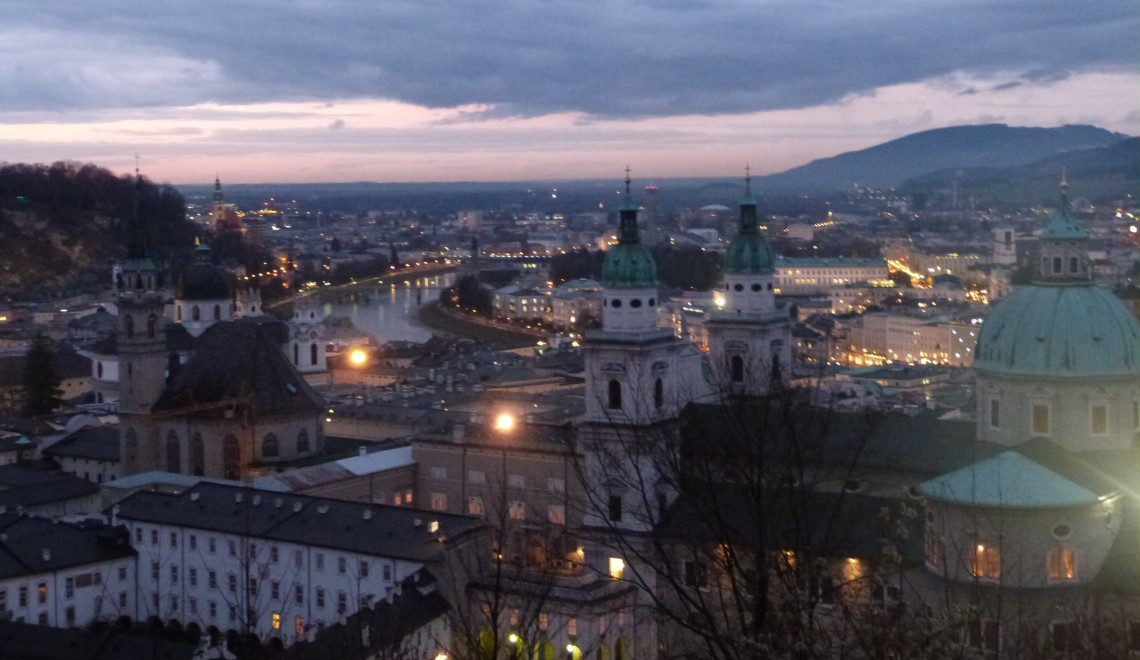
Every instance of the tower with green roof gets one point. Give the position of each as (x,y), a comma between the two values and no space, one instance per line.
(638,378)
(629,276)
(749,336)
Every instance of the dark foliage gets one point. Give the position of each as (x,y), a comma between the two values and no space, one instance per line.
(41,379)
(468,294)
(62,225)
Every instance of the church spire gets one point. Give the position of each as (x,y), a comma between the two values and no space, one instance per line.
(628,214)
(748,222)
(136,228)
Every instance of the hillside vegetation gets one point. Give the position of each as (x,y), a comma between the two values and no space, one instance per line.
(63,225)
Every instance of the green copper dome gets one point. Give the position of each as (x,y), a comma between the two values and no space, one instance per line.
(1057,331)
(749,254)
(629,266)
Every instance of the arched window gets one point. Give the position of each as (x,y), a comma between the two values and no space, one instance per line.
(1073,264)
(195,313)
(303,441)
(129,325)
(313,354)
(173,452)
(736,367)
(217,312)
(615,395)
(197,456)
(270,448)
(131,447)
(151,326)
(178,312)
(296,354)
(231,458)
(98,369)
(658,393)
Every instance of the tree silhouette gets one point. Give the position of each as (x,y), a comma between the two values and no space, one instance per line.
(41,379)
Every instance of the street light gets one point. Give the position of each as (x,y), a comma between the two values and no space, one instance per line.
(504,422)
(357,357)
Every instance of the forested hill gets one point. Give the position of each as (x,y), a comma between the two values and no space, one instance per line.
(63,225)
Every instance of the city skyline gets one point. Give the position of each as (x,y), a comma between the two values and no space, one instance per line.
(484,92)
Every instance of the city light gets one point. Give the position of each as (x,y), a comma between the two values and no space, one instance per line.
(504,422)
(357,357)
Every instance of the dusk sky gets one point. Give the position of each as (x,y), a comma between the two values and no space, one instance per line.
(478,90)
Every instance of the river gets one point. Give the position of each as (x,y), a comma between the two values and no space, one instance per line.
(387,312)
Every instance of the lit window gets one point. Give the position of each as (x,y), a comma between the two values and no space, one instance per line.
(439,501)
(277,621)
(556,514)
(986,562)
(1062,564)
(475,506)
(517,510)
(617,567)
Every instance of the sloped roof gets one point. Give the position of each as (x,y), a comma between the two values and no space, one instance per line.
(1008,481)
(387,531)
(240,362)
(100,443)
(31,545)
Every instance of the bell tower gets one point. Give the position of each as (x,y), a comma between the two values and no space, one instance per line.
(140,291)
(750,337)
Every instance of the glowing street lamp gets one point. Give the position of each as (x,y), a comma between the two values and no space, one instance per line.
(357,357)
(504,422)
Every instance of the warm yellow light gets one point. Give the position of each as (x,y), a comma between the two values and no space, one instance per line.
(513,638)
(617,567)
(357,357)
(504,422)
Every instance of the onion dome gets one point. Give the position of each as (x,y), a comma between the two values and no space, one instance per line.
(203,280)
(749,253)
(629,264)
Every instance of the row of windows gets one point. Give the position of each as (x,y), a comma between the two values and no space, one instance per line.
(614,394)
(297,354)
(252,549)
(635,303)
(553,484)
(1041,413)
(985,563)
(196,313)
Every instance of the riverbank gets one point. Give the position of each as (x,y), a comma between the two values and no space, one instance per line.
(436,318)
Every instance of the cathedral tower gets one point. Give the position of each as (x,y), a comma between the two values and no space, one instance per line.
(750,338)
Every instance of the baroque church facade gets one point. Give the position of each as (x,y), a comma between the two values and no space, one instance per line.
(211,391)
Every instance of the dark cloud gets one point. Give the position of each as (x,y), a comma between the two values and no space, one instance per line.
(1007,85)
(528,57)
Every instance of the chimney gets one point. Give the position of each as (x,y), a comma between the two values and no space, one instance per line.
(115,515)
(46,554)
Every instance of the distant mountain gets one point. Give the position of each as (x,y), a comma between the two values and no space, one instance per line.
(1098,173)
(889,164)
